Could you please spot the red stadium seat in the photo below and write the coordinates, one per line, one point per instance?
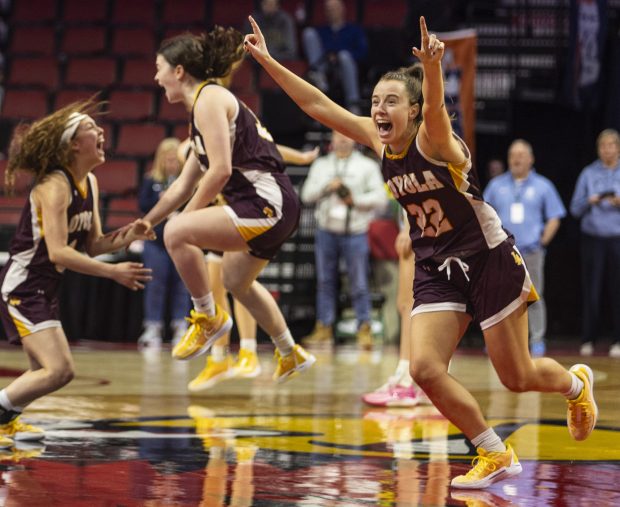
(139, 140)
(184, 12)
(118, 177)
(24, 104)
(23, 180)
(79, 11)
(252, 100)
(181, 131)
(384, 13)
(34, 10)
(133, 41)
(32, 40)
(171, 112)
(95, 72)
(224, 15)
(11, 209)
(130, 105)
(139, 72)
(83, 40)
(120, 212)
(65, 97)
(34, 71)
(139, 12)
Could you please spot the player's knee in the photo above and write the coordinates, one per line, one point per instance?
(172, 236)
(424, 372)
(515, 382)
(61, 376)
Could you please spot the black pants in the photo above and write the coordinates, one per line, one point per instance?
(600, 259)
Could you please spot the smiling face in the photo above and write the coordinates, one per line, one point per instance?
(393, 113)
(168, 77)
(87, 144)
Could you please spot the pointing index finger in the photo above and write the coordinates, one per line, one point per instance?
(424, 32)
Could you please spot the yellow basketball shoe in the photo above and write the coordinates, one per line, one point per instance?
(582, 411)
(213, 373)
(247, 366)
(487, 468)
(5, 442)
(298, 360)
(202, 332)
(18, 430)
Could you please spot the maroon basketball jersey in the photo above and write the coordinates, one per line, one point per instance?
(28, 247)
(445, 209)
(252, 149)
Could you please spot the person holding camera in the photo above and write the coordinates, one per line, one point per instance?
(347, 189)
(596, 202)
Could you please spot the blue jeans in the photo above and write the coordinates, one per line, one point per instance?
(166, 283)
(329, 248)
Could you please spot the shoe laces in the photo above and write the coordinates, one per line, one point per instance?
(480, 465)
(580, 408)
(17, 425)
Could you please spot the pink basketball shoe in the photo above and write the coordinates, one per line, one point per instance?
(390, 395)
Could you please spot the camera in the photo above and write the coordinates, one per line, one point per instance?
(343, 192)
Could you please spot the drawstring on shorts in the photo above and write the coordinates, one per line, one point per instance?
(446, 265)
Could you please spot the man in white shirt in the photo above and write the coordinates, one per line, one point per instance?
(348, 190)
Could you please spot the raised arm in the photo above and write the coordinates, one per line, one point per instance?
(436, 139)
(309, 98)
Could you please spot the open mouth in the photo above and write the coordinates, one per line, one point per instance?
(100, 144)
(384, 127)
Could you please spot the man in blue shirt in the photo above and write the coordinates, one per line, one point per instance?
(530, 207)
(596, 201)
(338, 44)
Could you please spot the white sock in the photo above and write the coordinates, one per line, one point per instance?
(248, 344)
(576, 387)
(402, 375)
(6, 404)
(218, 353)
(284, 343)
(205, 304)
(489, 441)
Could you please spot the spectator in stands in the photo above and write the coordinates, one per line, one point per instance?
(495, 167)
(261, 211)
(596, 202)
(337, 49)
(279, 29)
(61, 150)
(166, 286)
(347, 189)
(529, 205)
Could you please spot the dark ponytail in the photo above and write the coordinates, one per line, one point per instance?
(207, 56)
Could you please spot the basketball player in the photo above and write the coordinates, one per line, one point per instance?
(466, 264)
(233, 154)
(59, 221)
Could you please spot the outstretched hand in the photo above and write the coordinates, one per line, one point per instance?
(310, 156)
(254, 43)
(431, 47)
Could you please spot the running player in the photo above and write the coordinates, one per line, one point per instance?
(59, 221)
(466, 263)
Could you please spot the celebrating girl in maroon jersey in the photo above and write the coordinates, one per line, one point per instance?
(466, 263)
(232, 154)
(59, 221)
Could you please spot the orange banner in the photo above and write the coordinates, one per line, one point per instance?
(459, 66)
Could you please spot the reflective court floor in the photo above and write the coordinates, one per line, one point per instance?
(126, 432)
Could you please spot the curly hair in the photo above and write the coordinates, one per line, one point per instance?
(37, 149)
(208, 56)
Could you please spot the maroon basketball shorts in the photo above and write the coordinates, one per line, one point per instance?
(29, 303)
(488, 285)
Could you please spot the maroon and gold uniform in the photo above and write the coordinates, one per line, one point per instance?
(260, 198)
(450, 226)
(29, 282)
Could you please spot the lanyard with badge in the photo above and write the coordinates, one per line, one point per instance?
(517, 210)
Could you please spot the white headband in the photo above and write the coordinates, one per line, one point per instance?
(72, 124)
